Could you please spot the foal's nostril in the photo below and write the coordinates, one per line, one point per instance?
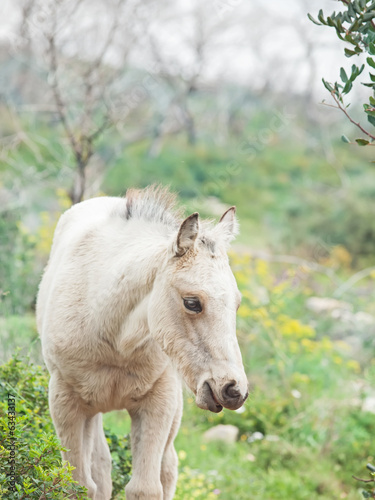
(231, 391)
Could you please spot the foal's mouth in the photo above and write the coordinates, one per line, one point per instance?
(219, 407)
(207, 400)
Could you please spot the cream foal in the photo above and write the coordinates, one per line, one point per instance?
(132, 300)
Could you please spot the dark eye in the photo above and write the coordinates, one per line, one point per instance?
(193, 305)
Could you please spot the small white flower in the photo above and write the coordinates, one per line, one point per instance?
(255, 436)
(240, 410)
(296, 394)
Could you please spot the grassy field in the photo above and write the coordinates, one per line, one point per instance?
(302, 432)
(307, 226)
(305, 406)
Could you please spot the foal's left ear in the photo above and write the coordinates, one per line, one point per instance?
(187, 234)
(228, 224)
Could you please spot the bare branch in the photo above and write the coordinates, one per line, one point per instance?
(363, 480)
(60, 105)
(364, 273)
(357, 124)
(297, 261)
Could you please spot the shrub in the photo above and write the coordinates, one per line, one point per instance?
(121, 462)
(39, 470)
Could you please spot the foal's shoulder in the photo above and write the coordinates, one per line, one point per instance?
(94, 209)
(84, 217)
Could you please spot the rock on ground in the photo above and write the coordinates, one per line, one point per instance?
(225, 433)
(321, 305)
(369, 404)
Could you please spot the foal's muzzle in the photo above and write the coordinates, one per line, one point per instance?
(210, 397)
(232, 397)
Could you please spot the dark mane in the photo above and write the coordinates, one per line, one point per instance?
(155, 204)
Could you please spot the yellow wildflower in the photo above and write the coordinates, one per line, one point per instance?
(352, 364)
(337, 360)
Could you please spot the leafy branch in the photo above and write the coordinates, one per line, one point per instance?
(369, 492)
(356, 27)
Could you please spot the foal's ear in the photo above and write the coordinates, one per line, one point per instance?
(187, 234)
(228, 224)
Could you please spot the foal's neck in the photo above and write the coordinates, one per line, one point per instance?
(146, 257)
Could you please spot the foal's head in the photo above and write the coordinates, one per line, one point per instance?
(193, 309)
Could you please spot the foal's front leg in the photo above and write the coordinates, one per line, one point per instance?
(75, 429)
(152, 420)
(169, 465)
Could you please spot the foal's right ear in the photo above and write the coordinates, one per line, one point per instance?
(187, 234)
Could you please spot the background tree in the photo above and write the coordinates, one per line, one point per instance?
(185, 73)
(81, 60)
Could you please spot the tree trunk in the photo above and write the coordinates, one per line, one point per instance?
(78, 190)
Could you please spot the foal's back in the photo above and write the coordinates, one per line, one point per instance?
(91, 239)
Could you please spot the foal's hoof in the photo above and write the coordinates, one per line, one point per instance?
(137, 490)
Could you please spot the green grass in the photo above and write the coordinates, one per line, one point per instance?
(19, 332)
(264, 469)
(313, 443)
(314, 439)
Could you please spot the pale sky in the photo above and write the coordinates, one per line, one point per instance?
(253, 41)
